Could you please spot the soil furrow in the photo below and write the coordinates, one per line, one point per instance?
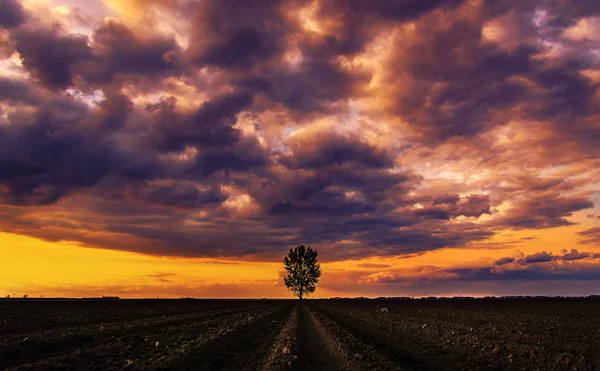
(80, 313)
(95, 326)
(354, 353)
(354, 335)
(315, 352)
(284, 352)
(56, 347)
(146, 350)
(240, 348)
(389, 350)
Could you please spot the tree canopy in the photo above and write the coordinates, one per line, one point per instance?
(302, 270)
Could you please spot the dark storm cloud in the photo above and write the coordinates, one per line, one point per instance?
(569, 95)
(249, 39)
(385, 235)
(210, 130)
(114, 111)
(572, 10)
(434, 213)
(313, 87)
(56, 58)
(325, 193)
(51, 56)
(446, 199)
(179, 194)
(11, 14)
(55, 155)
(349, 188)
(358, 21)
(236, 34)
(332, 149)
(61, 151)
(418, 238)
(475, 205)
(392, 9)
(466, 81)
(117, 50)
(16, 91)
(335, 175)
(470, 86)
(544, 211)
(244, 156)
(448, 206)
(211, 125)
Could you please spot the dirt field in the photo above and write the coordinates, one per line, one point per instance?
(315, 335)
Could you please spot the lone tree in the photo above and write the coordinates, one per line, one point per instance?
(302, 270)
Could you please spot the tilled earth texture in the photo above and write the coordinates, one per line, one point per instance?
(461, 334)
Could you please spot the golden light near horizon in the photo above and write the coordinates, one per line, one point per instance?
(34, 267)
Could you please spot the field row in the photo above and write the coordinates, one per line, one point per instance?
(532, 335)
(318, 335)
(23, 316)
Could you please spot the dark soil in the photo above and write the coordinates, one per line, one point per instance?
(314, 352)
(532, 334)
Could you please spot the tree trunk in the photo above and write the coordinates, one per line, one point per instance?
(300, 295)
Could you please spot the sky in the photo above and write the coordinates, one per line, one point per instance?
(180, 147)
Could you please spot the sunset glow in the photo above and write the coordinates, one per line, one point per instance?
(179, 148)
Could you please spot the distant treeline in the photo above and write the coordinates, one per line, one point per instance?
(464, 297)
(60, 298)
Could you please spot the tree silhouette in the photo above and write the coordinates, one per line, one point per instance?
(302, 270)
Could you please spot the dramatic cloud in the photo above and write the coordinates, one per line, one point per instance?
(545, 212)
(238, 128)
(448, 207)
(590, 236)
(117, 50)
(541, 266)
(16, 92)
(50, 56)
(576, 255)
(12, 14)
(539, 257)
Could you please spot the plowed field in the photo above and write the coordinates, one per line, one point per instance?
(289, 335)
